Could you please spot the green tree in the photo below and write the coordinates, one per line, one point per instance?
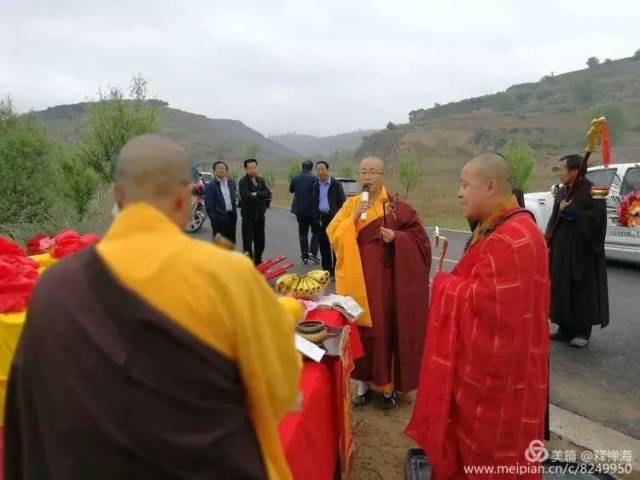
(78, 184)
(345, 170)
(269, 177)
(111, 122)
(251, 149)
(293, 170)
(607, 61)
(409, 173)
(521, 159)
(617, 120)
(636, 56)
(593, 62)
(27, 163)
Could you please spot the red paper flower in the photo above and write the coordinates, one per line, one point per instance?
(7, 247)
(39, 244)
(18, 276)
(69, 242)
(628, 207)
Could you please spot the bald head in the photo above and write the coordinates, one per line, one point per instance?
(491, 166)
(372, 162)
(485, 184)
(155, 170)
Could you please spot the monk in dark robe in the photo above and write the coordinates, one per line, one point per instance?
(579, 294)
(152, 356)
(484, 375)
(383, 262)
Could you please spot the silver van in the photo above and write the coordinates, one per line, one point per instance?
(622, 243)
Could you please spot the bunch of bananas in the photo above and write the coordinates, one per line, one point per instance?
(303, 286)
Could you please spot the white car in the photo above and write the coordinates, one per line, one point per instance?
(622, 243)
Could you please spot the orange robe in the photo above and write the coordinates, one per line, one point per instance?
(484, 375)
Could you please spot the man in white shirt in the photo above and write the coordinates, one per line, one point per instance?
(220, 200)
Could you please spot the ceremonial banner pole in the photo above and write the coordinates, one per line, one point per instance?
(445, 243)
(599, 130)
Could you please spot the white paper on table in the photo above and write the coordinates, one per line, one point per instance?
(309, 349)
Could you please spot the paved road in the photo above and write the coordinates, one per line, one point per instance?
(601, 382)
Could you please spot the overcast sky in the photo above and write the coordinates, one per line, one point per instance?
(316, 67)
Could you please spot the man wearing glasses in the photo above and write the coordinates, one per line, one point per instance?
(383, 262)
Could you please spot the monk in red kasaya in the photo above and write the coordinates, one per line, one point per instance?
(484, 375)
(383, 261)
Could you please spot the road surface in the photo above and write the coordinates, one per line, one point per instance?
(600, 382)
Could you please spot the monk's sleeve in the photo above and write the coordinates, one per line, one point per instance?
(341, 225)
(412, 239)
(269, 363)
(430, 425)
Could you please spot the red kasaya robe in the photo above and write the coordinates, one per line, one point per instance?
(484, 375)
(391, 282)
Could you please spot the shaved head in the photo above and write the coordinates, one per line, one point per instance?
(372, 162)
(485, 185)
(491, 166)
(154, 170)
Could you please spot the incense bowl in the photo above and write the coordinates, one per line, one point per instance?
(312, 330)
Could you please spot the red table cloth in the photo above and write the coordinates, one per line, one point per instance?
(319, 436)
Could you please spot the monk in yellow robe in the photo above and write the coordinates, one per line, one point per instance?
(154, 355)
(383, 262)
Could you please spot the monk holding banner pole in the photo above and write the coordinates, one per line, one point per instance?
(383, 262)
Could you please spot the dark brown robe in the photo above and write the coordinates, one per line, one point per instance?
(103, 386)
(397, 281)
(579, 292)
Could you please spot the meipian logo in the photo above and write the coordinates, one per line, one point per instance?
(536, 452)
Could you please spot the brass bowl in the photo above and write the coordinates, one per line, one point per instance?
(313, 330)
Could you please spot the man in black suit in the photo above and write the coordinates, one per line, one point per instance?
(305, 208)
(330, 197)
(220, 199)
(255, 198)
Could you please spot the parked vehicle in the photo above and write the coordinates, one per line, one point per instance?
(622, 242)
(350, 186)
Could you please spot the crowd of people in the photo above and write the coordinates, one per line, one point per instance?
(167, 357)
(316, 200)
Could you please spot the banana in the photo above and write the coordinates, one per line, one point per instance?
(284, 283)
(321, 276)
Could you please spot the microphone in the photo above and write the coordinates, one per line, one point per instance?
(365, 198)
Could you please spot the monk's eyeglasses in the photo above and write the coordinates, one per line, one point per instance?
(371, 173)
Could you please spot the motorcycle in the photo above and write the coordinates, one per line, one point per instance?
(198, 210)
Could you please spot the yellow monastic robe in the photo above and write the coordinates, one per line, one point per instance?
(221, 299)
(343, 235)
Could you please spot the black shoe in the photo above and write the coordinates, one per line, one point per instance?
(388, 403)
(305, 261)
(361, 400)
(314, 259)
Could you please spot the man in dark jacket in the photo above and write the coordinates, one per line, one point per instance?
(220, 201)
(579, 295)
(255, 198)
(305, 208)
(330, 196)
